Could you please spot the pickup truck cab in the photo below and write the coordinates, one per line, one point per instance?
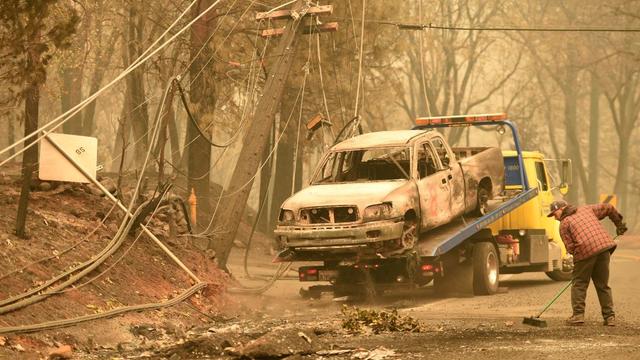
(373, 194)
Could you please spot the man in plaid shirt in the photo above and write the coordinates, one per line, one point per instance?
(591, 246)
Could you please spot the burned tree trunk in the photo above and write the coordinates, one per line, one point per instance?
(267, 183)
(165, 116)
(137, 115)
(30, 157)
(202, 102)
(284, 159)
(71, 95)
(103, 57)
(72, 74)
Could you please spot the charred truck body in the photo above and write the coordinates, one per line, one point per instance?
(402, 207)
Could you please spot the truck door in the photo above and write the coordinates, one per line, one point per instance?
(454, 176)
(546, 197)
(432, 187)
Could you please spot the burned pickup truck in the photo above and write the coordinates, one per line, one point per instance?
(373, 195)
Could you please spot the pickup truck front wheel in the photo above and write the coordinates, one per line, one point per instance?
(485, 269)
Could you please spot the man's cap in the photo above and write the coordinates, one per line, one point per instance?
(555, 206)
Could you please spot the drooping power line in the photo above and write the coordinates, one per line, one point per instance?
(421, 26)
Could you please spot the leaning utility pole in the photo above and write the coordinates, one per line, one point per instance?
(256, 139)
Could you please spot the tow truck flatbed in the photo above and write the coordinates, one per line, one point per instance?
(443, 239)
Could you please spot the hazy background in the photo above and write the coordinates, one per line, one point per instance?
(573, 94)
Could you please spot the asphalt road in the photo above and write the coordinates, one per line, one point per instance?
(481, 326)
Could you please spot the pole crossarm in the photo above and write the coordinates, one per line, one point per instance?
(328, 27)
(286, 14)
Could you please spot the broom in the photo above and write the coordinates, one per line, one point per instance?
(535, 320)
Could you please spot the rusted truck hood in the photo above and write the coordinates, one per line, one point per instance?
(361, 194)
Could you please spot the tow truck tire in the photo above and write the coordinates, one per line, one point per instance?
(559, 275)
(485, 269)
(482, 205)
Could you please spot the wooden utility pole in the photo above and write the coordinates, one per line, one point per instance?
(257, 135)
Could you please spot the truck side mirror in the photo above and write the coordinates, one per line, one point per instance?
(564, 188)
(565, 173)
(565, 176)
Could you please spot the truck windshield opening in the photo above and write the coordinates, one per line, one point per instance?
(373, 164)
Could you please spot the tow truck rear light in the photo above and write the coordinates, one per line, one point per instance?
(460, 119)
(427, 267)
(430, 269)
(308, 274)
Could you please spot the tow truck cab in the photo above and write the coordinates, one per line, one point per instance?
(533, 214)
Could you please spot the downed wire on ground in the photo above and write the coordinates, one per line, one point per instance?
(358, 321)
(75, 274)
(69, 322)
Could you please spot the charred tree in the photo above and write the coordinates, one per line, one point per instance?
(103, 57)
(284, 158)
(30, 34)
(268, 172)
(71, 94)
(72, 74)
(30, 157)
(137, 114)
(202, 97)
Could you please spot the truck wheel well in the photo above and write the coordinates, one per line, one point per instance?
(410, 215)
(486, 183)
(484, 235)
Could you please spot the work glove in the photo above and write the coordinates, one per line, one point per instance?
(621, 229)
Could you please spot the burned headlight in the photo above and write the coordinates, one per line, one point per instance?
(377, 212)
(286, 216)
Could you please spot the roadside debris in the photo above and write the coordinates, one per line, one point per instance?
(358, 321)
(334, 352)
(62, 352)
(146, 331)
(280, 343)
(204, 346)
(376, 354)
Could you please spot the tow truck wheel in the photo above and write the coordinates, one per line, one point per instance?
(485, 269)
(482, 206)
(559, 275)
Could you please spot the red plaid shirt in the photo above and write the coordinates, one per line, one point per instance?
(583, 234)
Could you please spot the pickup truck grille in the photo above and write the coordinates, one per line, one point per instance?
(330, 215)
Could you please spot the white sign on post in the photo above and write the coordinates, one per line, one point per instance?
(53, 166)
